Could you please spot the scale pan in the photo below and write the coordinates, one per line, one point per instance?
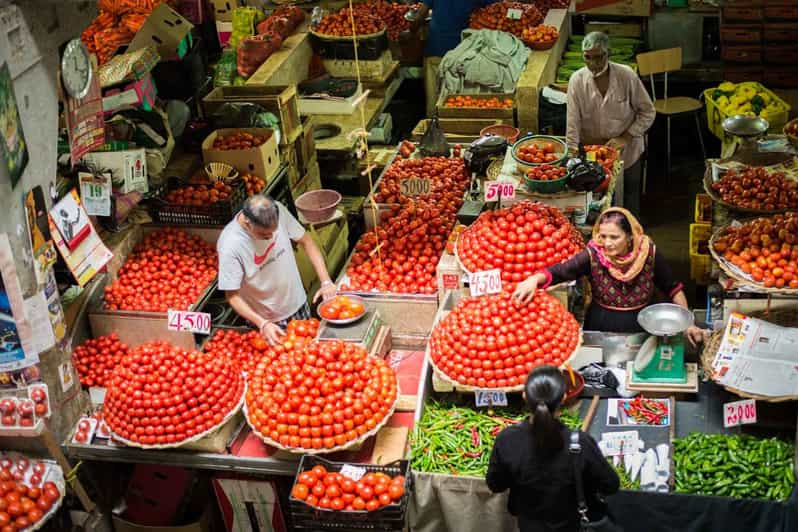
(665, 319)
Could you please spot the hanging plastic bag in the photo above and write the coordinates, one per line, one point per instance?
(225, 71)
(244, 21)
(584, 175)
(253, 51)
(434, 143)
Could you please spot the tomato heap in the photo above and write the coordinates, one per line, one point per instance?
(340, 25)
(168, 269)
(255, 184)
(246, 349)
(496, 17)
(765, 248)
(341, 308)
(546, 172)
(24, 500)
(95, 359)
(464, 100)
(391, 14)
(163, 395)
(754, 188)
(200, 194)
(240, 140)
(604, 155)
(519, 240)
(448, 181)
(323, 489)
(541, 37)
(319, 395)
(536, 153)
(494, 342)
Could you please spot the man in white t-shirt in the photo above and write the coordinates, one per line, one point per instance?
(258, 271)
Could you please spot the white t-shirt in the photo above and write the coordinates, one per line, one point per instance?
(263, 271)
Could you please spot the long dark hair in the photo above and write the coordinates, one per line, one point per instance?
(545, 388)
(617, 218)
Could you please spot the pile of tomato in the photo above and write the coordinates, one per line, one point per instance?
(163, 395)
(537, 153)
(319, 395)
(240, 140)
(329, 490)
(392, 14)
(448, 181)
(478, 102)
(199, 195)
(755, 188)
(766, 249)
(169, 269)
(95, 359)
(546, 172)
(340, 24)
(494, 341)
(254, 184)
(341, 308)
(497, 17)
(604, 155)
(519, 240)
(540, 37)
(24, 500)
(244, 349)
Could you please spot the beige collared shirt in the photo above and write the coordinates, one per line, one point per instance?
(625, 108)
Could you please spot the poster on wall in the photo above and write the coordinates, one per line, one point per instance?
(13, 149)
(41, 242)
(18, 358)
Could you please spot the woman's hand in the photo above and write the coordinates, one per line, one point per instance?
(271, 332)
(696, 335)
(525, 290)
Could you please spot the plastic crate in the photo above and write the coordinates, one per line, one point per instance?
(715, 116)
(220, 213)
(368, 48)
(699, 262)
(387, 518)
(703, 209)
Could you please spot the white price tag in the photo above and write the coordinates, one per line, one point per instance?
(414, 186)
(617, 443)
(739, 413)
(353, 472)
(95, 193)
(97, 395)
(196, 322)
(494, 190)
(514, 13)
(490, 398)
(485, 282)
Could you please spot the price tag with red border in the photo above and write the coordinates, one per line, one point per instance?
(739, 413)
(494, 189)
(185, 321)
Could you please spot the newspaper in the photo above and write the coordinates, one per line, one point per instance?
(758, 357)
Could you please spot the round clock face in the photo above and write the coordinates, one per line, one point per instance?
(76, 69)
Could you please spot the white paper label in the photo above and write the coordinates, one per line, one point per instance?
(95, 194)
(414, 186)
(739, 413)
(353, 472)
(617, 443)
(65, 374)
(514, 13)
(485, 282)
(97, 395)
(195, 322)
(490, 398)
(495, 190)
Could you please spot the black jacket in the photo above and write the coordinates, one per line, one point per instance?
(542, 490)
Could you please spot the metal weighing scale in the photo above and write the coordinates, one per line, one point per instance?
(660, 359)
(369, 331)
(750, 129)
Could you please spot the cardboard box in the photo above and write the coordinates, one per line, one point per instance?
(167, 30)
(128, 168)
(242, 500)
(628, 8)
(262, 161)
(155, 493)
(223, 9)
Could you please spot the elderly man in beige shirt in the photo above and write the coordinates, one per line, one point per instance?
(608, 104)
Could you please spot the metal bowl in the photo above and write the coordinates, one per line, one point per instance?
(665, 319)
(348, 320)
(745, 126)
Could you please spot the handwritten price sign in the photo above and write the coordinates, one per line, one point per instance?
(414, 186)
(490, 398)
(514, 14)
(485, 282)
(184, 321)
(739, 413)
(494, 189)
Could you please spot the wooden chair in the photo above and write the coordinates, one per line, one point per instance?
(662, 62)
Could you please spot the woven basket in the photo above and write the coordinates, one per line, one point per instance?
(326, 37)
(719, 201)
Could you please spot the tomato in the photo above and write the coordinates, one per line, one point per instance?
(35, 515)
(44, 504)
(372, 505)
(320, 471)
(396, 489)
(319, 489)
(14, 509)
(300, 492)
(359, 504)
(4, 518)
(365, 492)
(755, 188)
(494, 17)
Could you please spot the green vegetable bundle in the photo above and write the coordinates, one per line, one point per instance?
(626, 482)
(458, 440)
(735, 466)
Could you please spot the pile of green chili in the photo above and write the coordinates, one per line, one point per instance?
(735, 466)
(626, 482)
(458, 440)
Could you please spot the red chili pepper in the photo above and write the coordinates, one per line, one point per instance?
(473, 454)
(475, 439)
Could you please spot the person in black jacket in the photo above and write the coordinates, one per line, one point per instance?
(531, 459)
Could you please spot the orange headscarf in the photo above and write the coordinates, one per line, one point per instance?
(626, 267)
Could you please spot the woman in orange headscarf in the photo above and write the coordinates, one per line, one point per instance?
(624, 268)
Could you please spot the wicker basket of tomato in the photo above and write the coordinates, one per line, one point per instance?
(546, 179)
(336, 496)
(535, 150)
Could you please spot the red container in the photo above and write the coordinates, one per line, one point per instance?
(742, 54)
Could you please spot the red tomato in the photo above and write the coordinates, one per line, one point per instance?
(300, 492)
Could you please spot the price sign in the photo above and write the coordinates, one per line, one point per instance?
(353, 472)
(739, 413)
(95, 193)
(618, 443)
(490, 398)
(196, 322)
(485, 282)
(494, 189)
(414, 186)
(514, 14)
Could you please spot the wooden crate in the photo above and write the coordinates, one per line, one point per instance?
(311, 181)
(345, 68)
(280, 100)
(457, 130)
(477, 112)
